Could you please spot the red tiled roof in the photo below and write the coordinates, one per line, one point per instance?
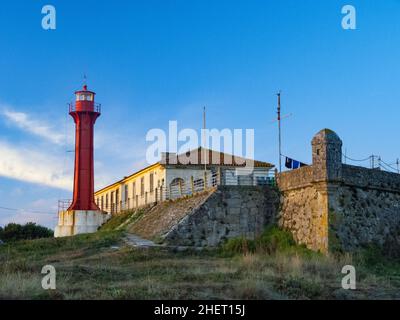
(195, 157)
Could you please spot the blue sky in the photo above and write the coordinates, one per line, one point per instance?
(155, 61)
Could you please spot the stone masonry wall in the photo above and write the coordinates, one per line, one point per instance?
(300, 178)
(230, 212)
(362, 209)
(370, 178)
(365, 208)
(304, 212)
(329, 205)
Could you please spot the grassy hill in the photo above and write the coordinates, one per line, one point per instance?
(103, 266)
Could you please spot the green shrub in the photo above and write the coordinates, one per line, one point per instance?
(272, 240)
(371, 255)
(238, 245)
(29, 231)
(300, 287)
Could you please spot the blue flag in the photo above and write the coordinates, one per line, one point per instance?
(293, 164)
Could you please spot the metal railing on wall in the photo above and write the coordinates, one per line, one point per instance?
(374, 162)
(96, 107)
(179, 189)
(64, 204)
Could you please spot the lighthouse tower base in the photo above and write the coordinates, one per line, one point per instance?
(73, 222)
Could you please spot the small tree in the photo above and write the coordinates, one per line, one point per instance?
(14, 232)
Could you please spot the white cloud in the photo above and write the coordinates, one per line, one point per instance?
(39, 128)
(41, 211)
(46, 165)
(44, 168)
(33, 166)
(22, 217)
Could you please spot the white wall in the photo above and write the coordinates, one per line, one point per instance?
(163, 176)
(134, 197)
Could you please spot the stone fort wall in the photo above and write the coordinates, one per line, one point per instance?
(365, 208)
(330, 205)
(229, 212)
(303, 208)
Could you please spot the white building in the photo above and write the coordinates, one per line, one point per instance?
(180, 175)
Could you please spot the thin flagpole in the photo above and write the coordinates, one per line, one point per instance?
(204, 139)
(279, 131)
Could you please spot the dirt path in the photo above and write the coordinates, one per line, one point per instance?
(136, 241)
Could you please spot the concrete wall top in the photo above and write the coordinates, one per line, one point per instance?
(370, 178)
(298, 178)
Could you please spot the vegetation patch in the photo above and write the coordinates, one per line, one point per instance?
(29, 231)
(102, 266)
(272, 240)
(122, 219)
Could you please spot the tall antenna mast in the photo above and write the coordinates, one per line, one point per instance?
(280, 118)
(279, 131)
(204, 139)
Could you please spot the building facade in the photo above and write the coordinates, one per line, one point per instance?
(176, 176)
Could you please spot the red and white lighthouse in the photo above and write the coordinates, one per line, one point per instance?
(83, 215)
(85, 113)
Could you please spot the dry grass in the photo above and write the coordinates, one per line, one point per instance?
(90, 267)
